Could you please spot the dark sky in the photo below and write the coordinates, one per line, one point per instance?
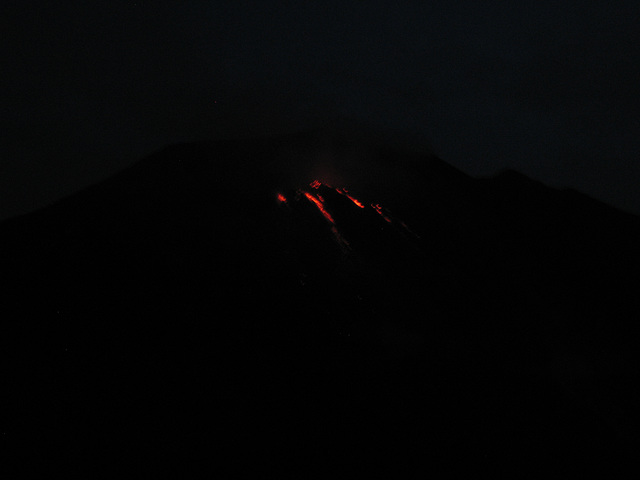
(548, 88)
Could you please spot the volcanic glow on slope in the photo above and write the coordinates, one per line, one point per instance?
(356, 201)
(378, 208)
(320, 206)
(319, 201)
(345, 192)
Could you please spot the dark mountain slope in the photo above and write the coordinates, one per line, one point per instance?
(419, 321)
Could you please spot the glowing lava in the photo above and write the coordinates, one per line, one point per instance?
(323, 202)
(320, 206)
(356, 201)
(378, 208)
(345, 192)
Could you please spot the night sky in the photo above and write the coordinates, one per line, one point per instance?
(547, 88)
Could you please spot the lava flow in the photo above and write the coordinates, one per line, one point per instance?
(323, 199)
(345, 192)
(320, 206)
(378, 208)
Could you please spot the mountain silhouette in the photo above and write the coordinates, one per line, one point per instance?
(320, 303)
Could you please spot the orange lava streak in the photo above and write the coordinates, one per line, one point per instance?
(356, 201)
(345, 192)
(378, 208)
(320, 206)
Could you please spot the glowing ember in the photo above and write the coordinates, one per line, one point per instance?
(315, 184)
(281, 198)
(320, 206)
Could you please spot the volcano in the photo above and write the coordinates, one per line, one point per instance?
(323, 306)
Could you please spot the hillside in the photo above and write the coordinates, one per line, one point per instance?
(311, 301)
